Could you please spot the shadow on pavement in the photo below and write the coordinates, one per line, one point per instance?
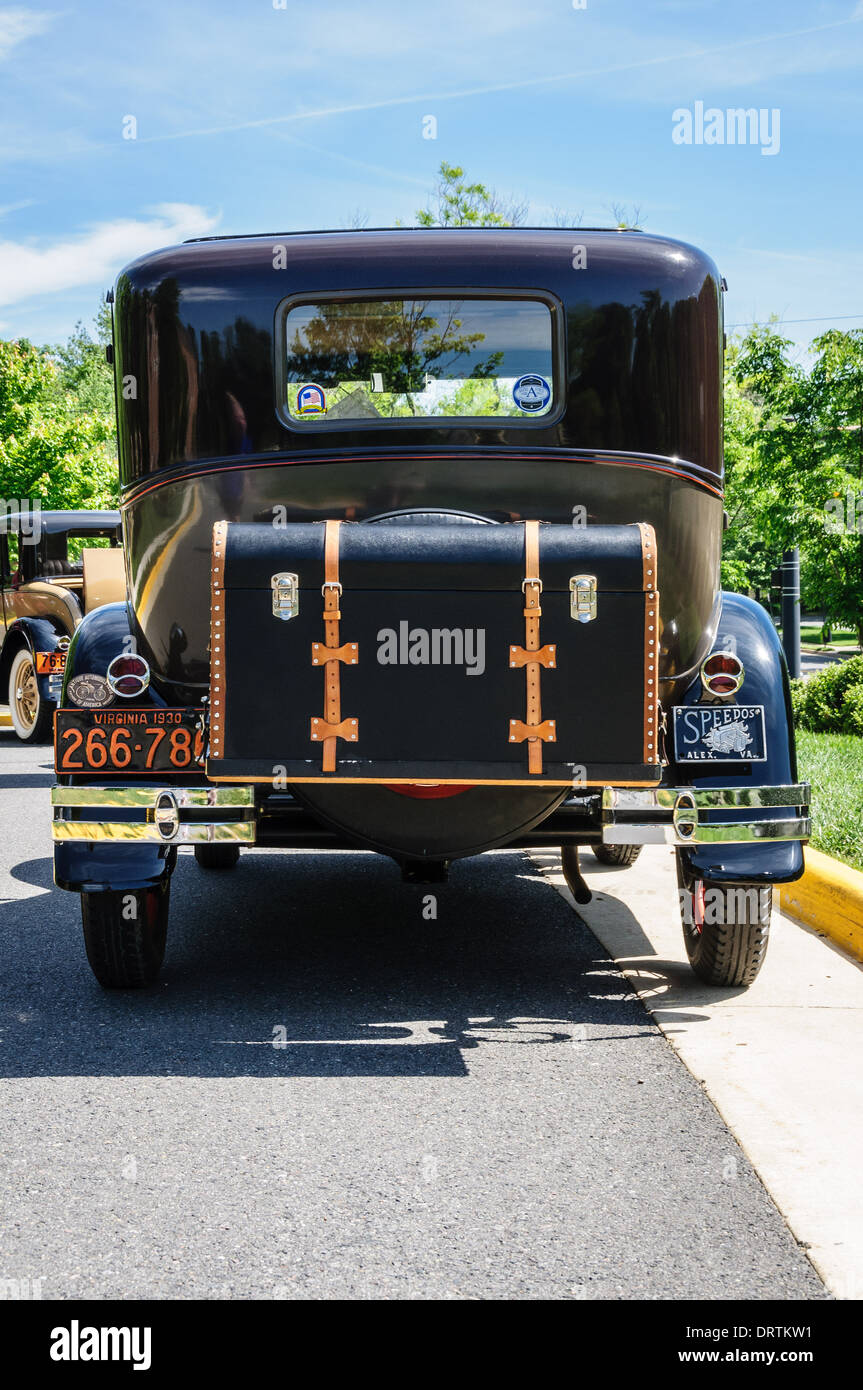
(312, 965)
(672, 983)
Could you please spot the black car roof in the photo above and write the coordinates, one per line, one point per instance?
(374, 231)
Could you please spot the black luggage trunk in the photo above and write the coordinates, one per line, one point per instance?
(434, 655)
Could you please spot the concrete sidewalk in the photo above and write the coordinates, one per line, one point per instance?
(781, 1061)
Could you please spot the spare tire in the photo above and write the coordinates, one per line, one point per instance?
(420, 823)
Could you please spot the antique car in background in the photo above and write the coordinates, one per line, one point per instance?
(44, 594)
(422, 532)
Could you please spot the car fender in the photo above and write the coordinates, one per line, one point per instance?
(39, 635)
(102, 866)
(98, 638)
(747, 629)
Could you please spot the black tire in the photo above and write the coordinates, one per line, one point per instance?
(30, 713)
(217, 856)
(725, 927)
(619, 856)
(125, 934)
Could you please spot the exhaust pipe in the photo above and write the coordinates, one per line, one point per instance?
(572, 873)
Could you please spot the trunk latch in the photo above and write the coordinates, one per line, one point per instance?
(582, 597)
(286, 595)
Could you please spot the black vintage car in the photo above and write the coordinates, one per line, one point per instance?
(55, 566)
(423, 533)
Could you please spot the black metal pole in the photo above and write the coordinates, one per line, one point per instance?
(791, 609)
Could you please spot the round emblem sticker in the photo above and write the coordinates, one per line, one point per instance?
(531, 393)
(89, 692)
(311, 400)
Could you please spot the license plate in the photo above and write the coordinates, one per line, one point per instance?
(719, 734)
(128, 741)
(49, 663)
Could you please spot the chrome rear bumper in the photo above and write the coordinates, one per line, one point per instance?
(684, 815)
(627, 815)
(155, 815)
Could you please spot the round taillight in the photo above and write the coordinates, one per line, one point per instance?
(128, 676)
(722, 673)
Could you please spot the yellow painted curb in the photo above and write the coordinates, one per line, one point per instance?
(829, 899)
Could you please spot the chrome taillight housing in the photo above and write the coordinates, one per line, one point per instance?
(128, 676)
(722, 673)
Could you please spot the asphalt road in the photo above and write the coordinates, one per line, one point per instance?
(470, 1107)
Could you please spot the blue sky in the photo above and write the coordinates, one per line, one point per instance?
(257, 118)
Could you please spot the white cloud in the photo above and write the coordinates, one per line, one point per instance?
(6, 208)
(95, 255)
(18, 25)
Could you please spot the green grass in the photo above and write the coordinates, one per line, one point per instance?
(833, 763)
(811, 636)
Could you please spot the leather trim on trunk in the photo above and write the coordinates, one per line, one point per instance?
(217, 640)
(650, 564)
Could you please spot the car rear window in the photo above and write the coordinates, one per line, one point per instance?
(415, 359)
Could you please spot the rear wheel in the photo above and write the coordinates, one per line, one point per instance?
(620, 856)
(125, 935)
(725, 927)
(31, 715)
(217, 856)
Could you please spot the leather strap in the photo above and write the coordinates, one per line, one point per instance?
(546, 656)
(519, 731)
(322, 654)
(332, 726)
(532, 657)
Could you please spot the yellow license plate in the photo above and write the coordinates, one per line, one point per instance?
(50, 663)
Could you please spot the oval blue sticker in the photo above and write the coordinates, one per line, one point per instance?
(531, 392)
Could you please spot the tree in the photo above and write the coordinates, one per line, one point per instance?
(461, 204)
(626, 220)
(400, 341)
(83, 371)
(51, 450)
(748, 557)
(794, 458)
(835, 398)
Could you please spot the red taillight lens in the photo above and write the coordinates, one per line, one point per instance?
(128, 676)
(722, 673)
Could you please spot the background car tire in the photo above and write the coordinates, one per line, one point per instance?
(125, 935)
(217, 856)
(620, 856)
(725, 927)
(31, 714)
